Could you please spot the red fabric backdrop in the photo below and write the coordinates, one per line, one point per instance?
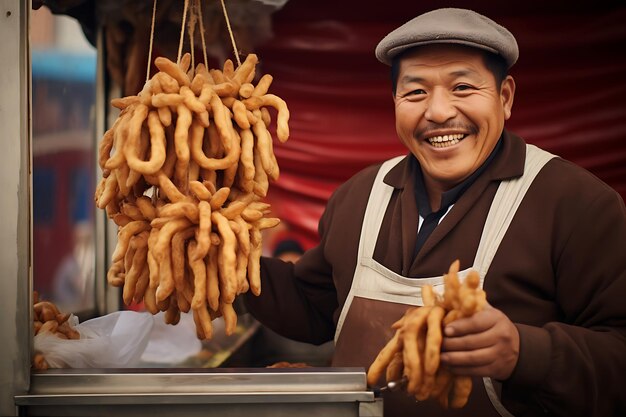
(571, 84)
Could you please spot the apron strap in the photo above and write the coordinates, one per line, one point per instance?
(373, 218)
(503, 208)
(375, 210)
(505, 203)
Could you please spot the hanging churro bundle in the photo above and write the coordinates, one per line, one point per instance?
(185, 169)
(414, 351)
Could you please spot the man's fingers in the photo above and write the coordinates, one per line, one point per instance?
(487, 343)
(471, 370)
(471, 358)
(478, 363)
(469, 342)
(479, 322)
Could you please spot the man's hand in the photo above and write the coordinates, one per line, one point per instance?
(485, 344)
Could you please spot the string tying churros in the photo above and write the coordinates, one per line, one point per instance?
(185, 167)
(414, 351)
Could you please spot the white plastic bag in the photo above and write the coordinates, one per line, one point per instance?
(171, 344)
(116, 340)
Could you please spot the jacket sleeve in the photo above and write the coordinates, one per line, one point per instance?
(578, 366)
(295, 301)
(298, 300)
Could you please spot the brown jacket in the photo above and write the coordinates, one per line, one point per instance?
(559, 274)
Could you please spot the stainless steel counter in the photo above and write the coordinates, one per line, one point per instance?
(254, 392)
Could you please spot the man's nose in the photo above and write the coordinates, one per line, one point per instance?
(440, 107)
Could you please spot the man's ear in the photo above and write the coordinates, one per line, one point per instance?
(507, 93)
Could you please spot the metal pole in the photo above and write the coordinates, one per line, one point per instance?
(15, 221)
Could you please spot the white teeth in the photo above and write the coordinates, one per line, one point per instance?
(445, 140)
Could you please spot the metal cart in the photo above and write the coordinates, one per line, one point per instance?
(121, 392)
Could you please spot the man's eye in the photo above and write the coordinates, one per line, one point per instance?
(463, 87)
(416, 92)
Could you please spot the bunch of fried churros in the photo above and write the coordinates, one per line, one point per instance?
(185, 168)
(414, 351)
(48, 318)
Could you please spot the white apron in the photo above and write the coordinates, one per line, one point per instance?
(381, 286)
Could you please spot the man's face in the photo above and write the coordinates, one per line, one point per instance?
(449, 111)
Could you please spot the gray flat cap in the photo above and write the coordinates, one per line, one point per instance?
(449, 25)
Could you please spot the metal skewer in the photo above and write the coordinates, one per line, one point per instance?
(392, 386)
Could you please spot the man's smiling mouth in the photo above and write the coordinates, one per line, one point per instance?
(445, 141)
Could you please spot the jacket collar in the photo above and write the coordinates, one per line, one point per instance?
(509, 163)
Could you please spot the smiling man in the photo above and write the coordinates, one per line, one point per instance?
(545, 235)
